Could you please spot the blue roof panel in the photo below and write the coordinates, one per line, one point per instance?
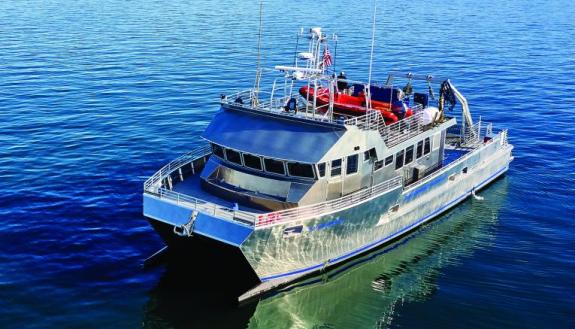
(272, 136)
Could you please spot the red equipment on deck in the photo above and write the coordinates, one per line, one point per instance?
(356, 105)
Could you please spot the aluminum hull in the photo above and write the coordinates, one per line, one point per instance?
(282, 253)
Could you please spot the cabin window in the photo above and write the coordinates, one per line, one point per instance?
(218, 150)
(388, 160)
(399, 159)
(377, 165)
(252, 161)
(274, 166)
(233, 156)
(352, 164)
(321, 169)
(371, 154)
(427, 147)
(409, 154)
(419, 149)
(336, 168)
(464, 170)
(300, 169)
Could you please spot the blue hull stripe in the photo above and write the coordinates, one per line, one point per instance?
(376, 243)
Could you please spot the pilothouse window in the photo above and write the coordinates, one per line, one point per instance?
(321, 169)
(300, 169)
(274, 166)
(252, 161)
(218, 150)
(233, 156)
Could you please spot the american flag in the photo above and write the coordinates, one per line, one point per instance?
(326, 57)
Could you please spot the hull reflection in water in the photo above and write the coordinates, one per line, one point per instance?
(369, 291)
(366, 292)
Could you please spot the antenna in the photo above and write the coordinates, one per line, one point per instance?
(259, 70)
(372, 42)
(368, 93)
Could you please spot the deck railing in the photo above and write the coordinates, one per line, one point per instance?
(154, 182)
(471, 135)
(402, 130)
(394, 133)
(265, 102)
(207, 207)
(322, 208)
(501, 137)
(154, 185)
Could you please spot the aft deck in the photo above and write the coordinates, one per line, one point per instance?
(451, 155)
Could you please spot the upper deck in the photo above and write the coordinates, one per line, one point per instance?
(265, 103)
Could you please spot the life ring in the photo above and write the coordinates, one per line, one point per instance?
(291, 105)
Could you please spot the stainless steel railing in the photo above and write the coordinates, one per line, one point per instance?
(327, 207)
(154, 182)
(402, 130)
(263, 102)
(207, 207)
(471, 135)
(154, 185)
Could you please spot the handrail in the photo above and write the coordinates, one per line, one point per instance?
(207, 207)
(393, 133)
(470, 135)
(326, 207)
(503, 143)
(402, 130)
(153, 186)
(175, 164)
(275, 106)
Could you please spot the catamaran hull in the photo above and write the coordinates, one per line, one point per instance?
(284, 252)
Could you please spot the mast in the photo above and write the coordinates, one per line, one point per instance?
(368, 94)
(255, 97)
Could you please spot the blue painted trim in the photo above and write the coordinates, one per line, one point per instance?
(292, 272)
(376, 243)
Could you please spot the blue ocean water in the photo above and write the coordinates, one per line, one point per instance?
(95, 95)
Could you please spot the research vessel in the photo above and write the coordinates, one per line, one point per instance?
(318, 168)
